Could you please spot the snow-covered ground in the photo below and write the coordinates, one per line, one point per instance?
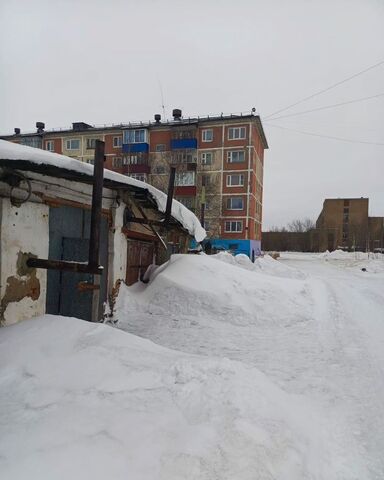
(264, 371)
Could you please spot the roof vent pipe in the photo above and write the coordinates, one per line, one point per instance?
(176, 112)
(157, 117)
(17, 131)
(40, 127)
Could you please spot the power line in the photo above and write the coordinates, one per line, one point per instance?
(325, 89)
(324, 136)
(328, 106)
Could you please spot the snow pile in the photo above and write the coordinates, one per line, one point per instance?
(13, 151)
(266, 265)
(371, 262)
(85, 401)
(199, 287)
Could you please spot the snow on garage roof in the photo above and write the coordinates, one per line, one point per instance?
(36, 156)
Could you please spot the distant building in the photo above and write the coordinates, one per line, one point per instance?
(219, 164)
(342, 224)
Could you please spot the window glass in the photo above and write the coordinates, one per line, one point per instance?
(208, 135)
(206, 158)
(235, 156)
(235, 203)
(185, 179)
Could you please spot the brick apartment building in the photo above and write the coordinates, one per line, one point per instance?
(345, 223)
(219, 163)
(342, 224)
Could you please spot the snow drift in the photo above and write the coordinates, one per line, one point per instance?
(87, 401)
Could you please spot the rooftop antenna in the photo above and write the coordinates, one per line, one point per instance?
(162, 98)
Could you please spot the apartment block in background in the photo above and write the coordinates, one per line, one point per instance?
(344, 223)
(219, 165)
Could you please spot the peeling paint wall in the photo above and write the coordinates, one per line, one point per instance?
(24, 231)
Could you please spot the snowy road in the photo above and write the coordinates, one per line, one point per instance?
(318, 334)
(349, 306)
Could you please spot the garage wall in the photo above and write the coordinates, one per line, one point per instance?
(23, 231)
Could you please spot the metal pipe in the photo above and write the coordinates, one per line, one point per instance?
(97, 198)
(171, 186)
(74, 267)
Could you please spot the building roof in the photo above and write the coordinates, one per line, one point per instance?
(34, 159)
(149, 124)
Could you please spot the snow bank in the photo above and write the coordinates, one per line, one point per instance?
(85, 401)
(13, 151)
(265, 264)
(201, 287)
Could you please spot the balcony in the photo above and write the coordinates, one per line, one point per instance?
(135, 147)
(183, 143)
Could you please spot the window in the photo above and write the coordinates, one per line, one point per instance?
(139, 176)
(206, 158)
(73, 144)
(235, 180)
(117, 142)
(135, 136)
(235, 203)
(160, 147)
(184, 157)
(160, 170)
(91, 143)
(188, 202)
(206, 226)
(50, 145)
(235, 133)
(236, 226)
(185, 179)
(205, 180)
(207, 135)
(117, 162)
(90, 160)
(236, 156)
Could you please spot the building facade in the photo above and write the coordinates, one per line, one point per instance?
(219, 165)
(344, 223)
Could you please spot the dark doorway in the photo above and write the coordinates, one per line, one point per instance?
(69, 240)
(140, 256)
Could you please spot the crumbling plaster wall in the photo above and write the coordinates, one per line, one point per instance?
(24, 230)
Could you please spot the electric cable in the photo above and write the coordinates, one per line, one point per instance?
(324, 136)
(326, 89)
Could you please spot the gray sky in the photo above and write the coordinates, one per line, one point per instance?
(103, 61)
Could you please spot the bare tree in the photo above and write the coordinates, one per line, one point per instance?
(298, 225)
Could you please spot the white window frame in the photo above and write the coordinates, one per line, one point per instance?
(139, 176)
(229, 203)
(230, 156)
(118, 143)
(231, 224)
(241, 180)
(237, 133)
(181, 179)
(69, 142)
(51, 143)
(132, 134)
(207, 132)
(204, 158)
(90, 142)
(160, 147)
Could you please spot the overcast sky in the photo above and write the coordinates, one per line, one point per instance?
(104, 61)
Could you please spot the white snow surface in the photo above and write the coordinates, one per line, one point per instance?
(13, 151)
(319, 337)
(241, 373)
(87, 401)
